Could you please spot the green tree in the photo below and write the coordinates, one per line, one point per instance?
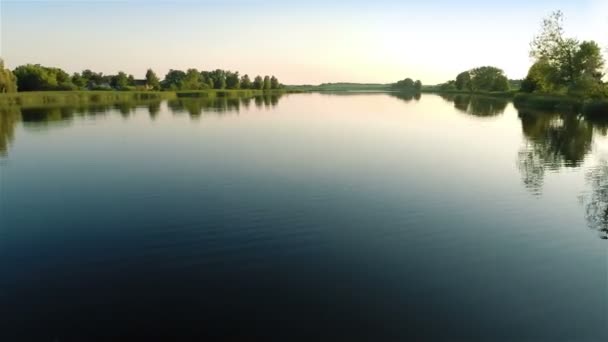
(258, 83)
(246, 82)
(558, 51)
(542, 77)
(191, 81)
(93, 79)
(131, 80)
(233, 80)
(152, 80)
(64, 80)
(206, 79)
(418, 86)
(79, 81)
(8, 82)
(219, 79)
(274, 83)
(267, 84)
(120, 81)
(488, 78)
(588, 64)
(463, 81)
(173, 80)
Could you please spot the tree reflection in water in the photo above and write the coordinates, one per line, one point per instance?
(53, 116)
(553, 141)
(406, 96)
(482, 106)
(596, 200)
(8, 118)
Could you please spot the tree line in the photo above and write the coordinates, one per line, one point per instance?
(562, 65)
(35, 77)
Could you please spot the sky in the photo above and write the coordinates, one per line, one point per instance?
(304, 42)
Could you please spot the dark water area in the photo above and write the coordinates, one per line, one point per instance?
(353, 217)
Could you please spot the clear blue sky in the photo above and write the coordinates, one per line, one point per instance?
(304, 42)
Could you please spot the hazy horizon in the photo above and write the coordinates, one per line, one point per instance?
(308, 43)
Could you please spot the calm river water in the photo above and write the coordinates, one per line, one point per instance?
(310, 216)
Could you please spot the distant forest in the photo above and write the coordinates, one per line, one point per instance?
(35, 77)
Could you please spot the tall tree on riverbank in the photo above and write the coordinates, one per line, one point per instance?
(563, 63)
(246, 82)
(152, 80)
(267, 85)
(8, 82)
(258, 83)
(233, 80)
(274, 83)
(219, 78)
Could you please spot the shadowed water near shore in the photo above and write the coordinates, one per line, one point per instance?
(375, 216)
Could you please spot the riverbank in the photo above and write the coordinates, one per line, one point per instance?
(83, 98)
(590, 107)
(503, 94)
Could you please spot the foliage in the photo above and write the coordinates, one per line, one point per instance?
(120, 81)
(488, 78)
(218, 77)
(79, 81)
(94, 80)
(233, 80)
(480, 80)
(31, 77)
(246, 82)
(408, 85)
(274, 83)
(562, 63)
(448, 86)
(542, 77)
(463, 81)
(267, 85)
(8, 82)
(152, 80)
(191, 81)
(173, 80)
(258, 83)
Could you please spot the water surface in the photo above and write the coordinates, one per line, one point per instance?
(314, 216)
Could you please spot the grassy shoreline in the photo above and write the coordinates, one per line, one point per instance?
(552, 102)
(503, 94)
(82, 98)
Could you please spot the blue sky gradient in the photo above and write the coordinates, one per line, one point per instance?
(304, 42)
